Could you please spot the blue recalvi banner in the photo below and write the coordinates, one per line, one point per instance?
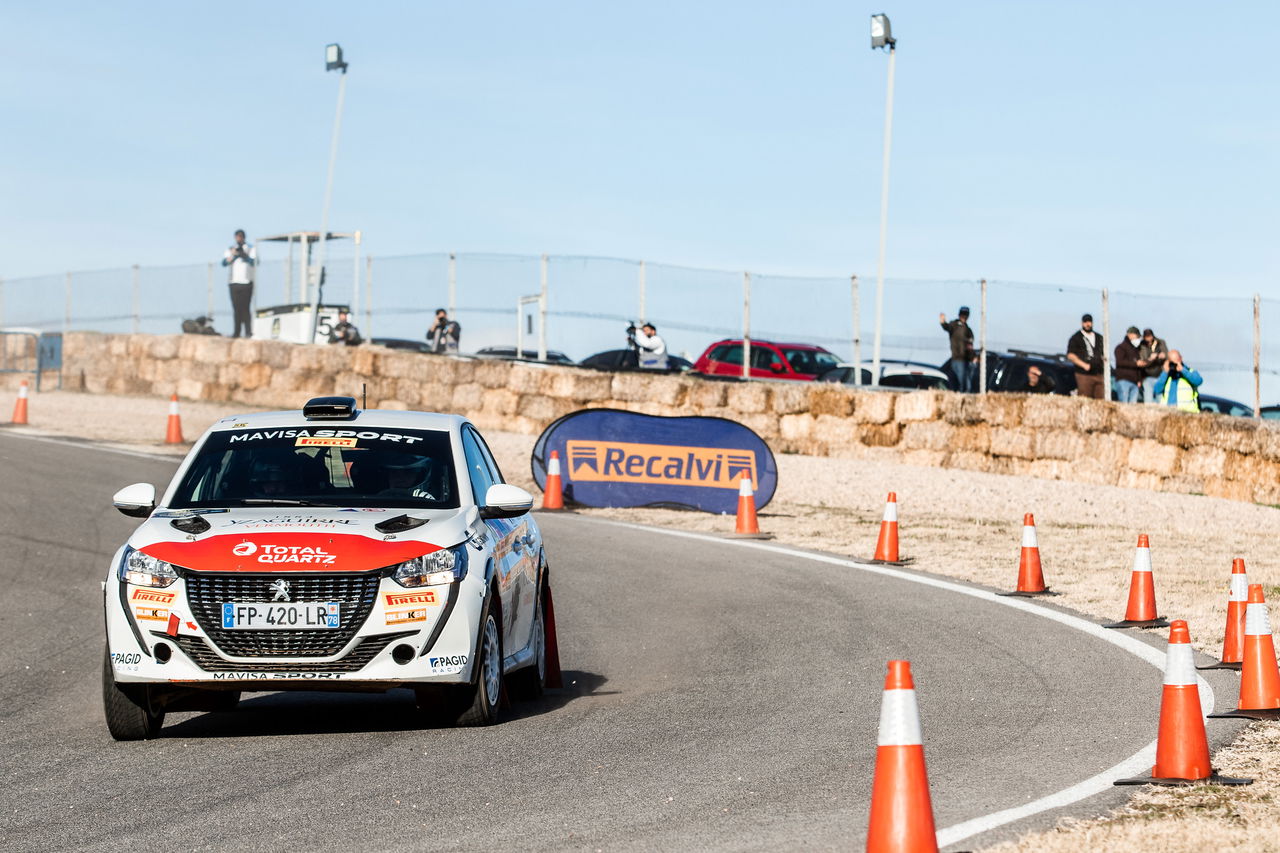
(611, 458)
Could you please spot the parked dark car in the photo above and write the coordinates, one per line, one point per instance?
(553, 356)
(402, 343)
(1007, 372)
(900, 375)
(1271, 413)
(626, 359)
(1223, 406)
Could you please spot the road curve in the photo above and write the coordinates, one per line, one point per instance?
(716, 698)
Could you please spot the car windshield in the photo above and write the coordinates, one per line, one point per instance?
(311, 466)
(918, 381)
(809, 361)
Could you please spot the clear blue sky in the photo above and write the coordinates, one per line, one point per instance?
(1131, 145)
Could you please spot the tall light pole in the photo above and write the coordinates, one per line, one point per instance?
(882, 36)
(332, 61)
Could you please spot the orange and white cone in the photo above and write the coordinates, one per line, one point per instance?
(887, 541)
(553, 493)
(1182, 749)
(173, 432)
(1030, 576)
(1141, 612)
(20, 407)
(747, 525)
(1259, 674)
(901, 811)
(1237, 601)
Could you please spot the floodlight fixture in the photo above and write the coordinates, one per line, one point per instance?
(333, 58)
(881, 32)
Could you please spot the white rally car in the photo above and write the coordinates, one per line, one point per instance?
(328, 549)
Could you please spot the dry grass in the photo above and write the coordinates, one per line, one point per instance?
(964, 525)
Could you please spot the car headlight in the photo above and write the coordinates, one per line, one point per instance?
(141, 570)
(435, 569)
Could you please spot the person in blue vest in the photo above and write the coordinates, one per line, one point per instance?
(1178, 385)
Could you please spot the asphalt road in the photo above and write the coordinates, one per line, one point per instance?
(716, 698)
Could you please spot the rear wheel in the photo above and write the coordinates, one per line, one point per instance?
(128, 708)
(528, 683)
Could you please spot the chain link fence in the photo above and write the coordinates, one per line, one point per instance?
(582, 305)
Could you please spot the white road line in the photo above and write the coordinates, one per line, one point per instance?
(1138, 764)
(86, 445)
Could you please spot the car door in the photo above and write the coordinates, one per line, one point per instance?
(502, 530)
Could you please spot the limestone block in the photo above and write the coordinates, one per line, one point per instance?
(828, 399)
(1235, 490)
(1267, 494)
(927, 435)
(1139, 480)
(1107, 450)
(834, 432)
(1139, 421)
(119, 346)
(874, 407)
(629, 387)
(1152, 457)
(1015, 443)
(500, 400)
(492, 373)
(880, 435)
(463, 367)
(976, 438)
(789, 398)
(763, 424)
(190, 389)
(524, 379)
(435, 397)
(795, 427)
(749, 397)
(667, 390)
(1183, 484)
(1269, 440)
(246, 351)
(1051, 469)
(705, 395)
(1003, 409)
(163, 346)
(468, 398)
(1203, 461)
(1059, 444)
(277, 354)
(364, 361)
(1094, 415)
(1238, 434)
(249, 376)
(1183, 429)
(304, 358)
(407, 391)
(962, 409)
(919, 406)
(967, 460)
(199, 371)
(1252, 469)
(1049, 411)
(537, 407)
(924, 458)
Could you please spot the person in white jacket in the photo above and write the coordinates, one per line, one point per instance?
(651, 348)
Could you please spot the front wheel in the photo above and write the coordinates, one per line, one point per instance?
(487, 693)
(128, 709)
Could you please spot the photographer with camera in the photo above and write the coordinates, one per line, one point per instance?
(241, 258)
(445, 334)
(651, 349)
(1178, 385)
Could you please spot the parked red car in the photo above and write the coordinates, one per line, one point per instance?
(769, 360)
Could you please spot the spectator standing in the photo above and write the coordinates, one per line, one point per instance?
(1084, 350)
(1154, 352)
(1129, 366)
(1178, 385)
(445, 334)
(964, 365)
(344, 332)
(651, 349)
(241, 258)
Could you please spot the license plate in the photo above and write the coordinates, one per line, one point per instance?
(302, 615)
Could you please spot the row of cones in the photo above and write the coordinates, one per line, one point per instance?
(173, 428)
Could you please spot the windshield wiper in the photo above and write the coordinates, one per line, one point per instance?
(280, 502)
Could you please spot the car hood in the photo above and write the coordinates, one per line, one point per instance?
(303, 539)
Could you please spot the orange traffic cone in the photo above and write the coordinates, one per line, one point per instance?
(1237, 599)
(173, 434)
(1141, 612)
(901, 812)
(20, 407)
(1182, 749)
(1259, 675)
(1030, 577)
(747, 525)
(553, 494)
(887, 541)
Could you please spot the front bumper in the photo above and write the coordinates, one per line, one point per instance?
(403, 637)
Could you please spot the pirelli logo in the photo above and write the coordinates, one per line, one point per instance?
(153, 596)
(404, 599)
(666, 464)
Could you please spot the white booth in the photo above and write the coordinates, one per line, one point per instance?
(304, 315)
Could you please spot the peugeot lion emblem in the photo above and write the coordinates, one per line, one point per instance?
(280, 587)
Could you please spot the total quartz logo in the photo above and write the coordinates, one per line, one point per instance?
(302, 554)
(244, 549)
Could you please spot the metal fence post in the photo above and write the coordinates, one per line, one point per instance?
(1257, 355)
(368, 296)
(137, 299)
(642, 285)
(1, 302)
(857, 330)
(746, 325)
(982, 340)
(209, 287)
(453, 285)
(542, 314)
(1106, 341)
(66, 316)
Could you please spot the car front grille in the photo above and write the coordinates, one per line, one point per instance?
(206, 593)
(208, 660)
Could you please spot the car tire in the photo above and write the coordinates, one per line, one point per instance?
(129, 711)
(485, 696)
(528, 683)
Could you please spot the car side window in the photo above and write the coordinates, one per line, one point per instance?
(729, 354)
(763, 358)
(494, 471)
(477, 466)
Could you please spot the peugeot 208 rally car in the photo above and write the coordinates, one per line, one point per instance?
(328, 549)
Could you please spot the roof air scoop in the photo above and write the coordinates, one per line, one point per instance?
(330, 409)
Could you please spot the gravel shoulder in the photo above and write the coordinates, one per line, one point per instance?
(960, 524)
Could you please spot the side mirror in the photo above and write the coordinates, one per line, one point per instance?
(505, 501)
(137, 500)
(776, 367)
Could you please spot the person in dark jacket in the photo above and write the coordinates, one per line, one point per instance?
(964, 363)
(1154, 351)
(1129, 366)
(1084, 350)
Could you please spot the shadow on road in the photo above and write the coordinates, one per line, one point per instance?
(316, 712)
